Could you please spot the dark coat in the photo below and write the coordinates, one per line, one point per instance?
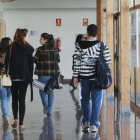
(21, 62)
(45, 63)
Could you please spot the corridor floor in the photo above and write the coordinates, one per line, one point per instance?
(64, 124)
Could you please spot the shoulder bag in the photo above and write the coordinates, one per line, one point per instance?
(58, 79)
(5, 77)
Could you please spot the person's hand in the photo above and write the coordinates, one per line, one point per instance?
(76, 82)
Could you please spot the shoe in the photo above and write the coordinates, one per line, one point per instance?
(86, 125)
(6, 121)
(45, 109)
(93, 128)
(21, 128)
(14, 125)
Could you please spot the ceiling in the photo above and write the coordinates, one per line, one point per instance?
(6, 0)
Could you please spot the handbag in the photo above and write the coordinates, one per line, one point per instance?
(5, 77)
(58, 79)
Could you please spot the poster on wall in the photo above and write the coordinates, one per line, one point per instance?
(34, 33)
(134, 39)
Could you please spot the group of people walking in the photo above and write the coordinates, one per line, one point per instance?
(19, 56)
(21, 64)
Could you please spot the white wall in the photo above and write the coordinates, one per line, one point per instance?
(41, 4)
(44, 21)
(1, 11)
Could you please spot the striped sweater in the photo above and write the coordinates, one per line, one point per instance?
(85, 57)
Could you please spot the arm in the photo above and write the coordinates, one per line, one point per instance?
(58, 57)
(1, 66)
(106, 55)
(6, 62)
(76, 64)
(31, 62)
(37, 55)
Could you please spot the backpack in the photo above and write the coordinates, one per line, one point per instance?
(103, 76)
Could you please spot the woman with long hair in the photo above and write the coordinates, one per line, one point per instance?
(21, 73)
(5, 93)
(45, 69)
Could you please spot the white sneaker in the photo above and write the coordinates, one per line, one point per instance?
(93, 128)
(86, 125)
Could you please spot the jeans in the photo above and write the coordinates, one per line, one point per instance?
(47, 99)
(91, 115)
(5, 96)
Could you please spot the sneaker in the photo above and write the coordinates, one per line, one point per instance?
(85, 126)
(45, 109)
(93, 128)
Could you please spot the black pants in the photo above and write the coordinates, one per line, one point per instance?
(18, 90)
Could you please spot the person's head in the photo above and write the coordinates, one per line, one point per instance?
(47, 38)
(25, 35)
(5, 42)
(21, 36)
(79, 38)
(92, 30)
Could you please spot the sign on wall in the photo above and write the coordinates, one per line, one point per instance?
(134, 39)
(34, 33)
(85, 22)
(58, 22)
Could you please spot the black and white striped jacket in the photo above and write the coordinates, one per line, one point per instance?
(85, 57)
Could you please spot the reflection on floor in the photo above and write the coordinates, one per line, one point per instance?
(64, 124)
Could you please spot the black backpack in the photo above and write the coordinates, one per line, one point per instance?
(103, 74)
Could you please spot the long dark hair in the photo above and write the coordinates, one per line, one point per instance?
(50, 39)
(78, 39)
(4, 45)
(19, 36)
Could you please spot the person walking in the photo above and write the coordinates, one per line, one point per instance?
(5, 93)
(45, 69)
(21, 73)
(79, 38)
(84, 64)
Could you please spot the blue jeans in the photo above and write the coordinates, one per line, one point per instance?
(47, 99)
(87, 87)
(5, 96)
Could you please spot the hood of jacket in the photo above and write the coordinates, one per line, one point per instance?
(88, 44)
(26, 47)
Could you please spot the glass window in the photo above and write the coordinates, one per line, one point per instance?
(132, 74)
(132, 81)
(137, 2)
(116, 6)
(138, 71)
(131, 3)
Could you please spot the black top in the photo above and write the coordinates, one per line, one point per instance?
(21, 62)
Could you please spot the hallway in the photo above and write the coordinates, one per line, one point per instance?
(65, 121)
